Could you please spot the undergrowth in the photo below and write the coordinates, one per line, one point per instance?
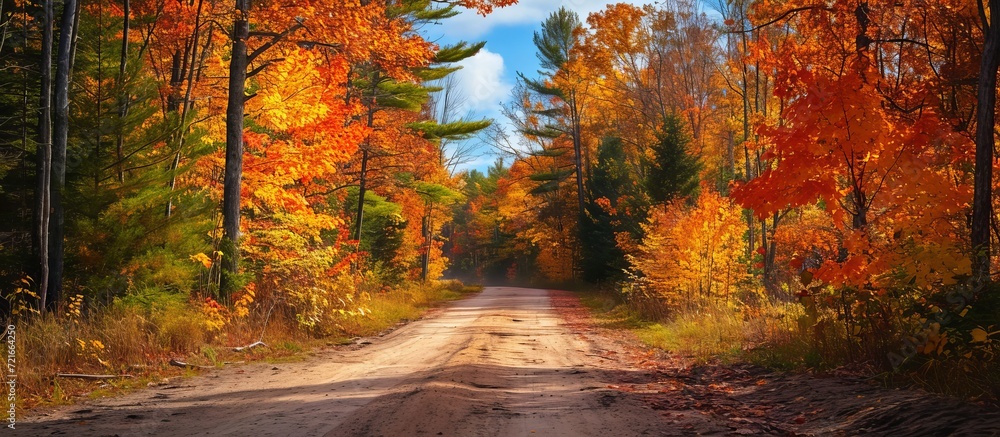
(705, 334)
(786, 336)
(139, 334)
(401, 304)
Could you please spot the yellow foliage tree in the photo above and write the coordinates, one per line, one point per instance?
(693, 254)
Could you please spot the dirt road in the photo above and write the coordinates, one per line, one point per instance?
(511, 362)
(497, 364)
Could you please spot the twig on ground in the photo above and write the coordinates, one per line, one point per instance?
(249, 346)
(91, 377)
(178, 363)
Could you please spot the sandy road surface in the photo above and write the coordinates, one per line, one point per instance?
(501, 363)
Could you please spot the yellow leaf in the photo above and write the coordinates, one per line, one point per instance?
(203, 259)
(978, 335)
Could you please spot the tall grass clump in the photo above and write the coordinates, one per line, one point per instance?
(747, 326)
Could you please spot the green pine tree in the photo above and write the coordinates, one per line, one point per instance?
(601, 258)
(673, 172)
(118, 180)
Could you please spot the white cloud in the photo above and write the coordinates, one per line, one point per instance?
(481, 82)
(469, 25)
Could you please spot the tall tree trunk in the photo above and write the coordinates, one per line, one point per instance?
(770, 253)
(363, 178)
(362, 182)
(44, 155)
(123, 97)
(192, 63)
(60, 137)
(232, 179)
(578, 163)
(731, 156)
(99, 132)
(174, 163)
(982, 200)
(425, 261)
(176, 74)
(577, 150)
(748, 173)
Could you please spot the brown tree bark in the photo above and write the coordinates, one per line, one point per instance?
(233, 176)
(123, 99)
(982, 199)
(60, 137)
(44, 156)
(363, 177)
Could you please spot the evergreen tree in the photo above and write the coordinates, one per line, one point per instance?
(554, 43)
(19, 115)
(380, 92)
(119, 180)
(673, 172)
(614, 205)
(381, 234)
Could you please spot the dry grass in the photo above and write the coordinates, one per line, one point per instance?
(703, 335)
(784, 335)
(771, 333)
(119, 341)
(402, 304)
(139, 336)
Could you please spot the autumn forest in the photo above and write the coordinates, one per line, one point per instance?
(792, 183)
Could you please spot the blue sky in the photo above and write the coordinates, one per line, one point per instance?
(487, 78)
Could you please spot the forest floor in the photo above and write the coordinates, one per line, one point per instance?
(510, 361)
